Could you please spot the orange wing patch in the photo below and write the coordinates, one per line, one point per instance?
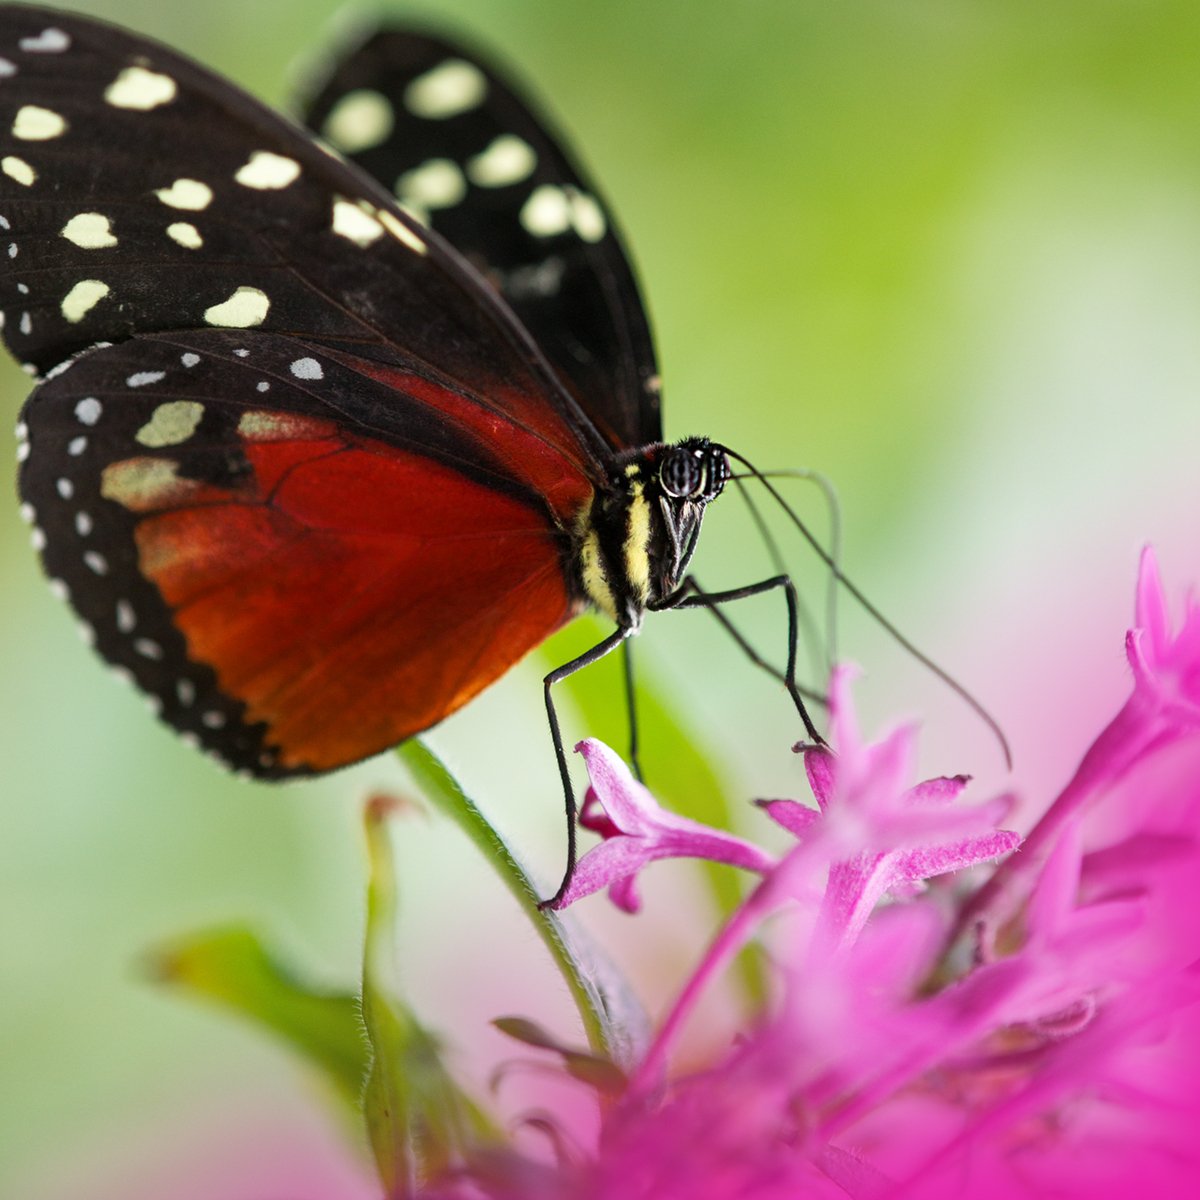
(350, 594)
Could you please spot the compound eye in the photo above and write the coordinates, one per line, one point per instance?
(717, 470)
(680, 474)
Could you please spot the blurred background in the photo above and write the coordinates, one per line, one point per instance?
(946, 253)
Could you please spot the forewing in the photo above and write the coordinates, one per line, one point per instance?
(461, 148)
(292, 592)
(139, 192)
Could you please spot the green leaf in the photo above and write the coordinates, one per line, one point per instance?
(232, 967)
(614, 1022)
(419, 1122)
(679, 773)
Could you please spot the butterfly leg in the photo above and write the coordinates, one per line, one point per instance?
(691, 595)
(631, 709)
(586, 659)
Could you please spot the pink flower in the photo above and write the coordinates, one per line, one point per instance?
(1038, 1035)
(638, 831)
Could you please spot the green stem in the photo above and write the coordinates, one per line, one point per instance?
(613, 1020)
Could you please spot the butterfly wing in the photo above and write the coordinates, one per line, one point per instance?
(317, 494)
(459, 146)
(139, 192)
(293, 593)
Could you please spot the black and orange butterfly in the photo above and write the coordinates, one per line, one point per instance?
(331, 428)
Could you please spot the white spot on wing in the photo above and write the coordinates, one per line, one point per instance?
(18, 169)
(89, 231)
(126, 617)
(36, 124)
(96, 562)
(268, 172)
(307, 368)
(59, 589)
(37, 539)
(140, 89)
(454, 87)
(185, 689)
(88, 410)
(358, 121)
(142, 378)
(248, 306)
(188, 194)
(82, 298)
(65, 488)
(547, 212)
(262, 386)
(28, 513)
(437, 183)
(189, 359)
(213, 719)
(83, 523)
(76, 446)
(49, 41)
(7, 69)
(354, 222)
(148, 648)
(587, 216)
(508, 160)
(188, 236)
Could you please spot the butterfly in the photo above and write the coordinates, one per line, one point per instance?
(333, 424)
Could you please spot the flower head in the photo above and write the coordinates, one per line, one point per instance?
(1038, 1034)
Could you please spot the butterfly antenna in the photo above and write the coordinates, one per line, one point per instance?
(834, 509)
(808, 624)
(830, 560)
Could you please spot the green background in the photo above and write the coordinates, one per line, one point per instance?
(946, 253)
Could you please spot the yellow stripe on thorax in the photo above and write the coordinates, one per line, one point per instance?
(637, 543)
(595, 579)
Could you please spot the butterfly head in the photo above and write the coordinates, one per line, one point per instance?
(637, 540)
(687, 477)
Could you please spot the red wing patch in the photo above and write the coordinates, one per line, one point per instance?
(355, 596)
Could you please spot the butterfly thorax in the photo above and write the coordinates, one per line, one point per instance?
(634, 544)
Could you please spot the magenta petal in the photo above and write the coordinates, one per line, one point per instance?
(796, 818)
(628, 803)
(842, 721)
(638, 831)
(624, 894)
(943, 789)
(926, 862)
(593, 817)
(603, 865)
(1053, 898)
(1150, 605)
(819, 765)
